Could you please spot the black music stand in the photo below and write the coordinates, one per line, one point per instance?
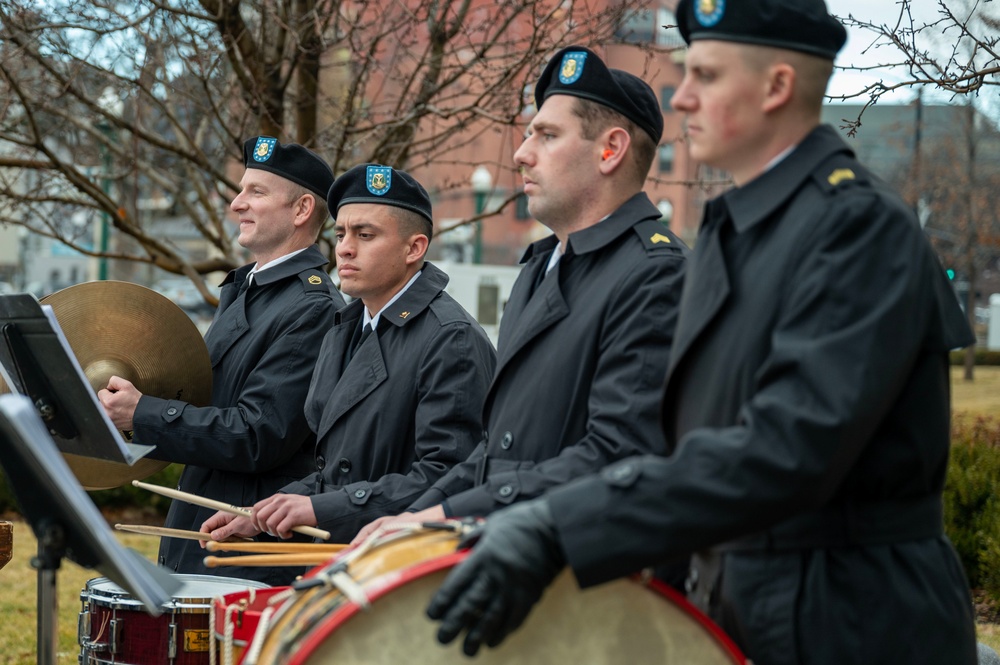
(66, 522)
(37, 361)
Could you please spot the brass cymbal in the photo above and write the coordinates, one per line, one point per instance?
(123, 329)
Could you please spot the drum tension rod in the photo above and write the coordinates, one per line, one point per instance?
(337, 577)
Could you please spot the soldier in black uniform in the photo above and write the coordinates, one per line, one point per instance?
(394, 412)
(586, 333)
(263, 343)
(807, 402)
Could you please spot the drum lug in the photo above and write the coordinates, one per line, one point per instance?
(113, 628)
(83, 627)
(172, 641)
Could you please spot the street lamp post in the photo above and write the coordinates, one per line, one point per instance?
(482, 183)
(112, 104)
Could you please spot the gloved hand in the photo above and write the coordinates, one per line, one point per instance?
(491, 593)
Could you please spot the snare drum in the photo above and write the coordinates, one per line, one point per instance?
(115, 628)
(625, 621)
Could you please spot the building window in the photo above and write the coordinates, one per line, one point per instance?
(488, 309)
(638, 26)
(666, 94)
(521, 207)
(666, 154)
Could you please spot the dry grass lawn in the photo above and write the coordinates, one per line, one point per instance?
(18, 579)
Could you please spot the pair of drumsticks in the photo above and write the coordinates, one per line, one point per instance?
(275, 554)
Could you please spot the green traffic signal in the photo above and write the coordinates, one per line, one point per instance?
(951, 273)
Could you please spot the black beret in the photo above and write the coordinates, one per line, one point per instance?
(579, 72)
(384, 185)
(292, 162)
(798, 25)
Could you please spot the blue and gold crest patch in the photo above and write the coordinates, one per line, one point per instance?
(572, 67)
(378, 179)
(709, 12)
(264, 148)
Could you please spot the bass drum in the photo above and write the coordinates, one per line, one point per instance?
(620, 622)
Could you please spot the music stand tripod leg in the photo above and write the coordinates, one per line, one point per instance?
(51, 549)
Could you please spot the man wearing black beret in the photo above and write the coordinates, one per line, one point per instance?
(263, 342)
(586, 335)
(806, 406)
(396, 398)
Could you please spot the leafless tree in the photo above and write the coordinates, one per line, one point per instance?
(956, 52)
(956, 189)
(111, 107)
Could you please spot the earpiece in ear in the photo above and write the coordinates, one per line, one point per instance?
(607, 154)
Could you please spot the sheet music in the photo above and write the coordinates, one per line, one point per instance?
(126, 450)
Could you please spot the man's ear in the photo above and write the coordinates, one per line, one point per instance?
(613, 149)
(304, 207)
(781, 80)
(418, 243)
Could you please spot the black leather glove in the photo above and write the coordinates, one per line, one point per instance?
(491, 593)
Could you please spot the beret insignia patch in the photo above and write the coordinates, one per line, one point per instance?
(379, 179)
(264, 148)
(572, 67)
(840, 175)
(709, 12)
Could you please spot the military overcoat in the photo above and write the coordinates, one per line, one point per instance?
(254, 438)
(401, 413)
(580, 361)
(807, 412)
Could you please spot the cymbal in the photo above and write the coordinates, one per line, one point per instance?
(123, 329)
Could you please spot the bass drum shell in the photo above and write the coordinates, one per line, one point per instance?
(624, 621)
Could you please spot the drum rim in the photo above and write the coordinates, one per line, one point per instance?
(123, 600)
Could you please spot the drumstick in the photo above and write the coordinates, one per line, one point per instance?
(163, 531)
(267, 560)
(224, 507)
(275, 548)
(171, 533)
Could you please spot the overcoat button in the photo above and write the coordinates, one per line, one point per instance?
(320, 462)
(345, 465)
(360, 494)
(622, 472)
(172, 411)
(506, 490)
(507, 440)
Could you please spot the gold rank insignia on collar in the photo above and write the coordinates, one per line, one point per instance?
(658, 237)
(840, 175)
(403, 315)
(315, 279)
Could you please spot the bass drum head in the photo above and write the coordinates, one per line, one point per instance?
(619, 622)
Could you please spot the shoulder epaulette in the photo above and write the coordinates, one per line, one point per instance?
(838, 173)
(315, 280)
(655, 236)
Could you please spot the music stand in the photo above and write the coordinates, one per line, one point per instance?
(37, 361)
(66, 522)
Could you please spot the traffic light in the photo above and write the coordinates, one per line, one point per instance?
(950, 273)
